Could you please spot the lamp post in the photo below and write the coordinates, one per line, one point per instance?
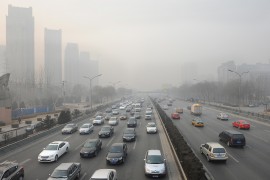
(240, 80)
(90, 81)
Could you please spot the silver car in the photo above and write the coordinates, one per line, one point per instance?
(155, 164)
(86, 128)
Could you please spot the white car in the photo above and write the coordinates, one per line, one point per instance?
(113, 121)
(155, 164)
(98, 120)
(53, 151)
(223, 116)
(86, 128)
(151, 127)
(122, 107)
(115, 112)
(106, 174)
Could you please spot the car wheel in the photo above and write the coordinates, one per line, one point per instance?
(123, 160)
(67, 150)
(201, 151)
(56, 158)
(208, 159)
(228, 144)
(95, 153)
(79, 174)
(21, 178)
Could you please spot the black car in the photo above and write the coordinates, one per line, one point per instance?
(70, 128)
(117, 153)
(11, 170)
(91, 148)
(129, 134)
(232, 138)
(106, 131)
(132, 122)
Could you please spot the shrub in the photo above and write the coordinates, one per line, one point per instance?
(2, 123)
(64, 117)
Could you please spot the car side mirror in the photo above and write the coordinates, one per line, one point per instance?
(144, 159)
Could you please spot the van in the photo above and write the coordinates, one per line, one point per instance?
(232, 138)
(214, 151)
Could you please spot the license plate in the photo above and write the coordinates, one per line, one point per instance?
(238, 142)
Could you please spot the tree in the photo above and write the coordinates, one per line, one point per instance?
(22, 105)
(14, 105)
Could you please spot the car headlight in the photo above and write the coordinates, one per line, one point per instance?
(39, 156)
(120, 158)
(147, 170)
(51, 156)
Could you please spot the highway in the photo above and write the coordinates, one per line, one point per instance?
(132, 169)
(250, 162)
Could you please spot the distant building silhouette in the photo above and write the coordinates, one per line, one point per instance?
(71, 64)
(94, 70)
(3, 63)
(224, 75)
(53, 56)
(20, 44)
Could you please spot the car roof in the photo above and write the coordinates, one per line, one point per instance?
(87, 124)
(102, 173)
(152, 123)
(215, 145)
(118, 144)
(57, 142)
(63, 166)
(233, 132)
(7, 164)
(91, 140)
(154, 152)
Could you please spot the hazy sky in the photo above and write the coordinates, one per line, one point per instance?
(144, 43)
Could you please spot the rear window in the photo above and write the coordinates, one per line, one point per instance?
(218, 150)
(238, 136)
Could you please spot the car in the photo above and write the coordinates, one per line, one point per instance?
(67, 171)
(169, 103)
(128, 109)
(11, 170)
(91, 148)
(32, 127)
(114, 106)
(132, 112)
(86, 128)
(137, 115)
(223, 116)
(138, 109)
(106, 131)
(129, 134)
(241, 124)
(154, 164)
(132, 122)
(108, 110)
(53, 151)
(115, 112)
(232, 138)
(117, 153)
(122, 107)
(108, 116)
(214, 151)
(165, 107)
(197, 122)
(175, 115)
(123, 116)
(113, 121)
(179, 110)
(104, 174)
(98, 120)
(151, 127)
(70, 128)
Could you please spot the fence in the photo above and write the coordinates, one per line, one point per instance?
(22, 112)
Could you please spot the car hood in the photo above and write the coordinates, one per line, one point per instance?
(157, 167)
(114, 155)
(101, 132)
(128, 135)
(67, 129)
(84, 149)
(48, 153)
(151, 128)
(84, 129)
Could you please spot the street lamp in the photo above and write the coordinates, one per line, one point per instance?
(240, 80)
(90, 80)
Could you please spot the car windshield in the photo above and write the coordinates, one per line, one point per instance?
(98, 179)
(85, 126)
(69, 125)
(151, 125)
(148, 112)
(89, 144)
(218, 150)
(131, 121)
(59, 174)
(105, 128)
(98, 118)
(113, 118)
(154, 159)
(51, 147)
(116, 149)
(129, 131)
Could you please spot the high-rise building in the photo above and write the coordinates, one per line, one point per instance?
(20, 44)
(71, 63)
(53, 56)
(94, 70)
(3, 66)
(224, 75)
(85, 67)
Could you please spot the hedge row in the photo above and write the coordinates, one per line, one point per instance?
(191, 164)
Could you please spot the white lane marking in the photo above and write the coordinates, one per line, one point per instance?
(25, 161)
(83, 176)
(266, 130)
(134, 146)
(252, 126)
(248, 146)
(67, 137)
(109, 142)
(80, 145)
(233, 158)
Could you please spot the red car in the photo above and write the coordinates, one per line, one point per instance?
(241, 124)
(175, 116)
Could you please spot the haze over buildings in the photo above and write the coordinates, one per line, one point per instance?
(3, 63)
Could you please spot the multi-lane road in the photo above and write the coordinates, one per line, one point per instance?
(132, 169)
(250, 162)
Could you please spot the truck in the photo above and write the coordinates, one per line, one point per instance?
(196, 109)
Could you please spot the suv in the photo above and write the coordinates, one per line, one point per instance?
(214, 151)
(232, 138)
(104, 174)
(69, 171)
(11, 170)
(155, 164)
(117, 153)
(223, 116)
(98, 120)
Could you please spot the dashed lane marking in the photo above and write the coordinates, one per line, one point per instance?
(233, 158)
(109, 142)
(67, 137)
(83, 176)
(25, 161)
(134, 146)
